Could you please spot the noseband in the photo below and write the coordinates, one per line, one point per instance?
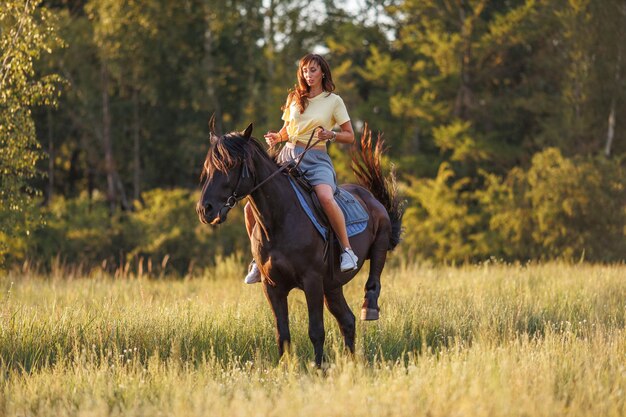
(235, 198)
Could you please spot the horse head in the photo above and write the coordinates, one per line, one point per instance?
(228, 174)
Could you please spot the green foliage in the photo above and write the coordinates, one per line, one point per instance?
(168, 226)
(26, 31)
(443, 224)
(162, 235)
(466, 93)
(457, 138)
(559, 208)
(79, 231)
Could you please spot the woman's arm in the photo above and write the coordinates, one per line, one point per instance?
(346, 135)
(273, 138)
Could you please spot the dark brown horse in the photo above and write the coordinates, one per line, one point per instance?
(287, 248)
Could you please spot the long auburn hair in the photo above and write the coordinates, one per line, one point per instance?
(300, 91)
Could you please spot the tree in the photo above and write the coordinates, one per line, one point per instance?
(559, 208)
(593, 85)
(26, 31)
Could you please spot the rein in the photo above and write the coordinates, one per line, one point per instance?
(235, 198)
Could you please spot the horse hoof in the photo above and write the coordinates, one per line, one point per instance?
(368, 314)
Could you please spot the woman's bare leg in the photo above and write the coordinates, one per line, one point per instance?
(335, 215)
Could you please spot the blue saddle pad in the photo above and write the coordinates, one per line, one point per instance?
(353, 211)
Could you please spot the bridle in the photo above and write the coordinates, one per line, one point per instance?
(235, 198)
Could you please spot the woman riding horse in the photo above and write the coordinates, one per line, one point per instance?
(311, 104)
(286, 246)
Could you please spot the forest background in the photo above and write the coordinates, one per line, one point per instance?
(505, 120)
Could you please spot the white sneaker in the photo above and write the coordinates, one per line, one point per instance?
(349, 260)
(254, 275)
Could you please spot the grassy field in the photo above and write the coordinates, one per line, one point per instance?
(487, 340)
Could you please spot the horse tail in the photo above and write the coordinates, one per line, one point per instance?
(367, 169)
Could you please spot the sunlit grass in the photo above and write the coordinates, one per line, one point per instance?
(479, 340)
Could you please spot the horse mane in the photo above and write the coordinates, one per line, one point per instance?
(231, 149)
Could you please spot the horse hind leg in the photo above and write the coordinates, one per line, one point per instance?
(378, 256)
(338, 307)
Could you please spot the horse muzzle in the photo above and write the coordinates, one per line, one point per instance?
(204, 214)
(209, 215)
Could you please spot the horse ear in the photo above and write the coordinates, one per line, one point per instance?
(212, 124)
(213, 136)
(248, 132)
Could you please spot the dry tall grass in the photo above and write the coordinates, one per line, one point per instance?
(488, 340)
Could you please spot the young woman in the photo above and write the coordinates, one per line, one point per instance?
(310, 104)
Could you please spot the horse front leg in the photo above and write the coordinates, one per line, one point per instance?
(314, 293)
(277, 298)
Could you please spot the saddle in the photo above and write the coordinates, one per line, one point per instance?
(354, 213)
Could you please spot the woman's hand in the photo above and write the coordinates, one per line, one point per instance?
(272, 138)
(324, 134)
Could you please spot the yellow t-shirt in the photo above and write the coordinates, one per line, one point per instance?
(326, 110)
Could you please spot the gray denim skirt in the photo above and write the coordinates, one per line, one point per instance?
(316, 165)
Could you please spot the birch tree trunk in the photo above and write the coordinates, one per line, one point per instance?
(611, 129)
